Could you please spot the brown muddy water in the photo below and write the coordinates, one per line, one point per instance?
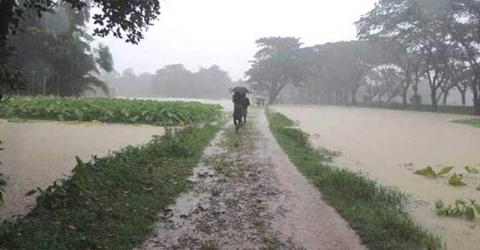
(382, 144)
(38, 153)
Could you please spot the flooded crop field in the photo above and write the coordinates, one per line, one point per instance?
(389, 146)
(38, 153)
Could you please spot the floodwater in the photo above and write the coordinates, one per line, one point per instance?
(38, 153)
(382, 144)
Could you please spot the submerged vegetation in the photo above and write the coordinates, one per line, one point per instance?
(109, 110)
(472, 122)
(459, 209)
(111, 202)
(378, 213)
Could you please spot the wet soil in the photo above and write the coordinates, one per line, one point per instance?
(389, 146)
(246, 194)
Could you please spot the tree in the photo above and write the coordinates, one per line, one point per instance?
(120, 18)
(55, 54)
(276, 65)
(438, 31)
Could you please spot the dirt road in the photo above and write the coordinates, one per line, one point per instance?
(247, 195)
(380, 142)
(38, 153)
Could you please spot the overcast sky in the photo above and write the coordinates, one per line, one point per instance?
(223, 32)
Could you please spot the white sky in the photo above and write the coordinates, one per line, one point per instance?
(223, 32)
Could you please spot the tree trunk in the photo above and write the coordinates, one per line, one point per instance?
(445, 96)
(404, 97)
(6, 15)
(463, 94)
(476, 98)
(275, 89)
(433, 96)
(354, 98)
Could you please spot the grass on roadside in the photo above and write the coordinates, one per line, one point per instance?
(111, 202)
(378, 213)
(472, 122)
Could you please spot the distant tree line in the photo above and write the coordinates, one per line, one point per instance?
(403, 44)
(172, 81)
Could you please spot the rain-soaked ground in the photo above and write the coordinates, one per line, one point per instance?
(247, 195)
(38, 153)
(383, 143)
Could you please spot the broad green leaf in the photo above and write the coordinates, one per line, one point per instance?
(444, 171)
(477, 207)
(470, 213)
(428, 172)
(456, 180)
(471, 170)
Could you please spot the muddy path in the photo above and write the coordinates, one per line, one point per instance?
(245, 194)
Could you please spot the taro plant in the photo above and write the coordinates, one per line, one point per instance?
(454, 180)
(430, 173)
(110, 110)
(458, 209)
(471, 170)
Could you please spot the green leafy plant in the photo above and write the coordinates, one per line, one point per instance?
(471, 170)
(444, 171)
(110, 110)
(428, 172)
(456, 180)
(458, 209)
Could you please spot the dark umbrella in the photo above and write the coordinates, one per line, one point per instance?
(241, 89)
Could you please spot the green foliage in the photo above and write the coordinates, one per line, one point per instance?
(428, 172)
(110, 202)
(278, 63)
(444, 171)
(472, 122)
(110, 110)
(378, 213)
(456, 180)
(458, 209)
(471, 170)
(450, 109)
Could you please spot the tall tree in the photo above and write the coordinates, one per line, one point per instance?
(277, 64)
(120, 18)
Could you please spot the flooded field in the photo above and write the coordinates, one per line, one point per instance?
(38, 153)
(383, 143)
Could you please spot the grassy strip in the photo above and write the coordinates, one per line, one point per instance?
(472, 122)
(109, 110)
(376, 212)
(448, 109)
(111, 202)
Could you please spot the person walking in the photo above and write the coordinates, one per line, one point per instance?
(245, 109)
